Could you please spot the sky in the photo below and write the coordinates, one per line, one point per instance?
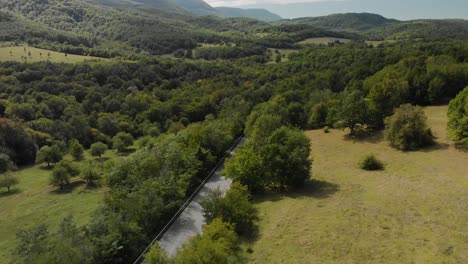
(399, 9)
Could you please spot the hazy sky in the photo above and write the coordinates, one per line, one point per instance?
(399, 9)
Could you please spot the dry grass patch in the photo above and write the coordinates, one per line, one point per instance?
(413, 212)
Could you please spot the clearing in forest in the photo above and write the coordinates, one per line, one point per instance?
(31, 54)
(415, 211)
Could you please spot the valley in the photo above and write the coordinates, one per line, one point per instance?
(113, 112)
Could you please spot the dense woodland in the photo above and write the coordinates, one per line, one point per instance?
(187, 113)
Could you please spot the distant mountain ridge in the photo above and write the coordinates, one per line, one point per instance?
(347, 21)
(261, 14)
(377, 27)
(196, 7)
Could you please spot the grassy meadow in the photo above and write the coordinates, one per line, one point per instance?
(31, 54)
(324, 41)
(415, 211)
(34, 201)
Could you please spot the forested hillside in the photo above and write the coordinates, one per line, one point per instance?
(134, 135)
(377, 27)
(109, 32)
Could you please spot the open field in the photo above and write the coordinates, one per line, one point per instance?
(31, 54)
(324, 41)
(413, 212)
(34, 202)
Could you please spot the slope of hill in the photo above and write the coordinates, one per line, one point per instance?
(198, 7)
(260, 14)
(422, 29)
(348, 21)
(375, 26)
(83, 28)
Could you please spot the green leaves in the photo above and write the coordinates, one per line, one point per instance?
(458, 116)
(407, 129)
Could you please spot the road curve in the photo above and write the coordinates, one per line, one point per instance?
(191, 220)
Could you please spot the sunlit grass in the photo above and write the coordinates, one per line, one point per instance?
(413, 212)
(24, 53)
(34, 201)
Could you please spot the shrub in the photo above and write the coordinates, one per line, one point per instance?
(458, 118)
(7, 181)
(97, 149)
(407, 128)
(371, 163)
(326, 129)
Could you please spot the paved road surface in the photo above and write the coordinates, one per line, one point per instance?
(191, 221)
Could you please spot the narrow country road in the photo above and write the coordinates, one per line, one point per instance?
(191, 221)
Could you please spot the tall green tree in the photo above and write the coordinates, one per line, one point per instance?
(407, 129)
(76, 150)
(49, 154)
(458, 118)
(217, 244)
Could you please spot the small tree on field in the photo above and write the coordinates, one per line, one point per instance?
(91, 174)
(63, 172)
(49, 155)
(7, 181)
(97, 149)
(407, 129)
(76, 150)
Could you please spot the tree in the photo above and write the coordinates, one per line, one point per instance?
(16, 142)
(49, 154)
(76, 150)
(31, 244)
(353, 110)
(318, 116)
(97, 149)
(122, 141)
(247, 168)
(407, 129)
(63, 172)
(91, 174)
(458, 118)
(286, 158)
(234, 208)
(157, 256)
(67, 245)
(217, 244)
(7, 180)
(5, 163)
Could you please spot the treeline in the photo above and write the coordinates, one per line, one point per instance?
(147, 188)
(82, 28)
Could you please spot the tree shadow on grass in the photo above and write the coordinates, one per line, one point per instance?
(11, 192)
(435, 147)
(313, 188)
(374, 137)
(318, 189)
(68, 188)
